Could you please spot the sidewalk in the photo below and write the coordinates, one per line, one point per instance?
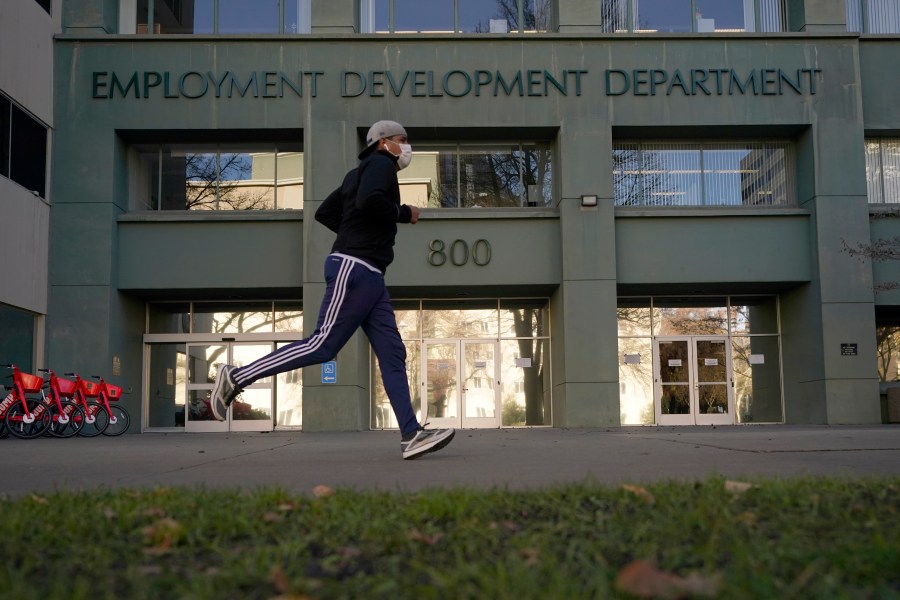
(513, 458)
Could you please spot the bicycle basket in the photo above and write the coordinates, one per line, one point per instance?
(66, 387)
(115, 392)
(31, 383)
(90, 389)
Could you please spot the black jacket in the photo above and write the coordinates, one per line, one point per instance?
(364, 211)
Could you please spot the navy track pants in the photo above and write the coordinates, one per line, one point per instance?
(355, 296)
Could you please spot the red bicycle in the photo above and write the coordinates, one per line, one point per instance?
(24, 417)
(117, 418)
(66, 417)
(96, 416)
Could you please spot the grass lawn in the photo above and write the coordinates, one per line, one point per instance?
(798, 538)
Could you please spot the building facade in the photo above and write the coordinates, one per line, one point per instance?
(634, 213)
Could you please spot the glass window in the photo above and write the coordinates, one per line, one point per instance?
(224, 317)
(289, 396)
(634, 316)
(756, 362)
(5, 117)
(636, 380)
(169, 317)
(703, 174)
(468, 176)
(691, 316)
(873, 16)
(459, 319)
(883, 170)
(289, 317)
(454, 16)
(27, 151)
(166, 385)
(753, 314)
(888, 353)
(663, 15)
(223, 16)
(216, 177)
(525, 384)
(17, 339)
(650, 16)
(524, 318)
(240, 16)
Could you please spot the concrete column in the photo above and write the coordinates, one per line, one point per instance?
(816, 16)
(87, 17)
(578, 16)
(330, 150)
(585, 347)
(335, 16)
(825, 382)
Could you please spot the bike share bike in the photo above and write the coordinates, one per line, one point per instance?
(69, 408)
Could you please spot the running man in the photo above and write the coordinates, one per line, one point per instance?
(364, 213)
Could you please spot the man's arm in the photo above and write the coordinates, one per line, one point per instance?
(331, 210)
(372, 197)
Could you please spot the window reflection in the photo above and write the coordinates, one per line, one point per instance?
(455, 16)
(710, 174)
(683, 16)
(438, 337)
(236, 318)
(756, 362)
(222, 16)
(691, 316)
(216, 177)
(166, 379)
(466, 176)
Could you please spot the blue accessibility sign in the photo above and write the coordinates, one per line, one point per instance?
(329, 372)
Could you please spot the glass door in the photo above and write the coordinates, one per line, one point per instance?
(251, 412)
(480, 385)
(440, 384)
(692, 381)
(713, 378)
(460, 383)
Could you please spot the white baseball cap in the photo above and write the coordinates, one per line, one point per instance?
(381, 130)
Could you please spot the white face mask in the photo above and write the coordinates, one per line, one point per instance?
(405, 156)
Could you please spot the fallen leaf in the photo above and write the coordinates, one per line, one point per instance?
(427, 539)
(642, 579)
(531, 556)
(272, 517)
(640, 492)
(322, 491)
(39, 499)
(162, 535)
(278, 579)
(737, 487)
(286, 506)
(109, 513)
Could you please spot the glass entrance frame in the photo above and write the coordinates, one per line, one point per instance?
(461, 383)
(694, 382)
(751, 328)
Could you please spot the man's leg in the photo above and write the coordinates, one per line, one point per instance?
(380, 327)
(348, 299)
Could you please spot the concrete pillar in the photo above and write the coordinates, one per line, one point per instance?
(585, 347)
(816, 16)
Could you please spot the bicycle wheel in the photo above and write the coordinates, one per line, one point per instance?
(18, 427)
(67, 423)
(96, 420)
(119, 422)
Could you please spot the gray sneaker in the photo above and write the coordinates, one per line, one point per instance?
(425, 441)
(223, 393)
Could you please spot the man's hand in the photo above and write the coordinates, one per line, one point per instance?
(414, 210)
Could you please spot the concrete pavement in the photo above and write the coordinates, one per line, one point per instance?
(511, 458)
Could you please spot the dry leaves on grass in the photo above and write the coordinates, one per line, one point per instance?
(322, 491)
(282, 586)
(640, 492)
(425, 538)
(737, 487)
(162, 535)
(643, 580)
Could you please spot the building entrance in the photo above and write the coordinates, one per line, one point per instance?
(693, 381)
(461, 383)
(252, 411)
